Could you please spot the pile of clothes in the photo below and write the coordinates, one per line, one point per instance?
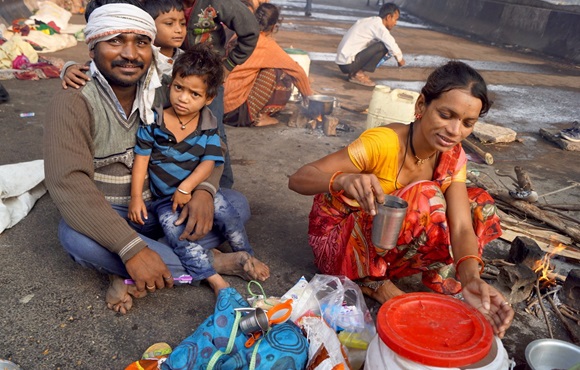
(25, 39)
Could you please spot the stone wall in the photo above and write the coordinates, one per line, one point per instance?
(530, 24)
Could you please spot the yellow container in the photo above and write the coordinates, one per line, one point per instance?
(391, 105)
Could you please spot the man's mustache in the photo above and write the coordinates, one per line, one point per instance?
(125, 63)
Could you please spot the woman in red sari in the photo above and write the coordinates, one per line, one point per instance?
(446, 225)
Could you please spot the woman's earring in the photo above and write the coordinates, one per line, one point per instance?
(418, 116)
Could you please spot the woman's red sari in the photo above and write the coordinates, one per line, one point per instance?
(340, 234)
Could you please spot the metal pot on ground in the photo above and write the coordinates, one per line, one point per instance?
(320, 105)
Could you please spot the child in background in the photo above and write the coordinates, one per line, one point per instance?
(179, 152)
(169, 19)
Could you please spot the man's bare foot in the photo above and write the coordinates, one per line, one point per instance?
(119, 295)
(217, 283)
(383, 293)
(241, 264)
(265, 120)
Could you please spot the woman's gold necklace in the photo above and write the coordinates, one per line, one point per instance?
(420, 161)
(181, 123)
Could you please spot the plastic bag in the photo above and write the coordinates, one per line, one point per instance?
(325, 352)
(341, 304)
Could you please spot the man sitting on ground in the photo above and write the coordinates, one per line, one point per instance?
(89, 139)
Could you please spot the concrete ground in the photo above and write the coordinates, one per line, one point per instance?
(53, 313)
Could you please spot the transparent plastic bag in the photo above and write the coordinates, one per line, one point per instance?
(340, 302)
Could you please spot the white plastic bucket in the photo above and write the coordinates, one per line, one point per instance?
(391, 105)
(380, 356)
(302, 58)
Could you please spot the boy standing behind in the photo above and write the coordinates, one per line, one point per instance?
(366, 43)
(170, 23)
(179, 152)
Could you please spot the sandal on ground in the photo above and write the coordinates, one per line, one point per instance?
(157, 350)
(572, 133)
(361, 79)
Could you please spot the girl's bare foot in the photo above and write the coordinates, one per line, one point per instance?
(241, 264)
(119, 295)
(217, 283)
(265, 120)
(383, 292)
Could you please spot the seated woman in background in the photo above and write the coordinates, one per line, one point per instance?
(446, 225)
(262, 85)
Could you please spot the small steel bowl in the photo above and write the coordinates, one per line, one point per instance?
(549, 354)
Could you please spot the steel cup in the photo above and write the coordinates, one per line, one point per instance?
(388, 221)
(254, 321)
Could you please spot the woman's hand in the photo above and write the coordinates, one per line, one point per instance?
(487, 300)
(364, 188)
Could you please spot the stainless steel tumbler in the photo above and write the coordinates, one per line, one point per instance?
(256, 320)
(388, 221)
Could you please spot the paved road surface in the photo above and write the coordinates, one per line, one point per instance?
(53, 314)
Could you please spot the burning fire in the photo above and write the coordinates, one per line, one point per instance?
(544, 269)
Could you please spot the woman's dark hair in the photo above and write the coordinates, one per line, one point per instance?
(388, 9)
(202, 61)
(94, 4)
(267, 16)
(456, 75)
(158, 7)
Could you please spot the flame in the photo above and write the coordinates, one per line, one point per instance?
(319, 118)
(544, 269)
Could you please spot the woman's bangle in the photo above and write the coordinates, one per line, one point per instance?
(183, 191)
(465, 258)
(330, 190)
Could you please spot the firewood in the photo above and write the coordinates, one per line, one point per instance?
(569, 315)
(529, 209)
(537, 287)
(487, 157)
(570, 330)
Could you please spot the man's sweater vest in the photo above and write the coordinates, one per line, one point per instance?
(114, 138)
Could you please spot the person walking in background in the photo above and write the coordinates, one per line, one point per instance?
(367, 44)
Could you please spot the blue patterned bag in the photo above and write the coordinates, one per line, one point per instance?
(212, 345)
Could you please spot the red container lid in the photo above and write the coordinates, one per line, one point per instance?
(434, 330)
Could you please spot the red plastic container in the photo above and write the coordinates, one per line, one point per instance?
(434, 330)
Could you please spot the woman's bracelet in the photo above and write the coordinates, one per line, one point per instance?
(465, 258)
(183, 191)
(330, 190)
